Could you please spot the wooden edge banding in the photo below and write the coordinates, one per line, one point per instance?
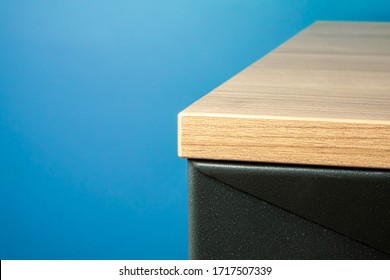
(315, 142)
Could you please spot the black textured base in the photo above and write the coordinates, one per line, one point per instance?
(229, 218)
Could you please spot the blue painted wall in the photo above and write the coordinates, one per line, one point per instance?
(89, 93)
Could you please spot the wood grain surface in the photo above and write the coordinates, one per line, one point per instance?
(321, 98)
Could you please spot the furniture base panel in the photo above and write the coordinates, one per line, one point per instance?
(247, 211)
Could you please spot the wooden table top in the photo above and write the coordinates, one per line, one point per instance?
(321, 98)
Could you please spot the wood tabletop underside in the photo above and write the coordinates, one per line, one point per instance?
(321, 98)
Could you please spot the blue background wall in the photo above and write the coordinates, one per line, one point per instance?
(89, 94)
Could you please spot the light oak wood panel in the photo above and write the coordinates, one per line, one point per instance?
(322, 98)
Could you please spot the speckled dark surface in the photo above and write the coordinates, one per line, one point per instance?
(228, 223)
